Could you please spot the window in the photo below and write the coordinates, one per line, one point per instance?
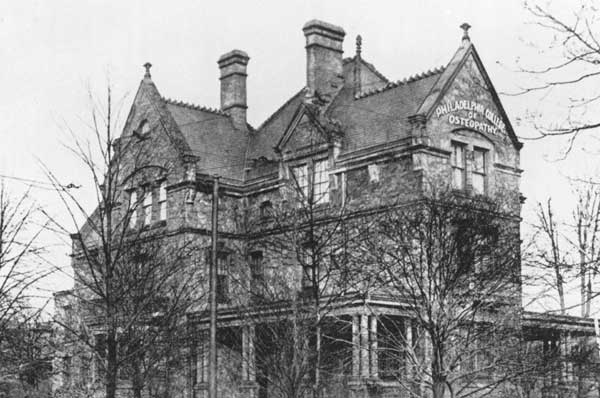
(223, 260)
(144, 128)
(321, 182)
(222, 277)
(256, 266)
(162, 201)
(300, 175)
(313, 175)
(67, 369)
(148, 206)
(132, 209)
(308, 281)
(373, 172)
(479, 170)
(458, 166)
(266, 207)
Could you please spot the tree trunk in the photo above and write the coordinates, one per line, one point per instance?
(136, 384)
(560, 288)
(111, 364)
(588, 302)
(582, 278)
(438, 378)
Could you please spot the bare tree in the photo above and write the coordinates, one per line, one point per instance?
(586, 220)
(22, 262)
(301, 256)
(27, 352)
(549, 254)
(454, 263)
(569, 67)
(132, 284)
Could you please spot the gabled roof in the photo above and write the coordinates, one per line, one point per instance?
(466, 50)
(371, 110)
(379, 115)
(262, 141)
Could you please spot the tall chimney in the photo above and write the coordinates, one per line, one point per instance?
(233, 86)
(324, 64)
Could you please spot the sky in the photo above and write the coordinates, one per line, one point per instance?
(55, 53)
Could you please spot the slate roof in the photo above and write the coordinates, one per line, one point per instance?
(371, 113)
(381, 115)
(219, 147)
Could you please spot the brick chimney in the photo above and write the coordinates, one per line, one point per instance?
(233, 86)
(324, 51)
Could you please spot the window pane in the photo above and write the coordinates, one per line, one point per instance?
(148, 207)
(479, 183)
(458, 155)
(222, 289)
(162, 195)
(321, 182)
(479, 161)
(133, 209)
(458, 178)
(300, 177)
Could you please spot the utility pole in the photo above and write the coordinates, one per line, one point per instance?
(212, 356)
(597, 330)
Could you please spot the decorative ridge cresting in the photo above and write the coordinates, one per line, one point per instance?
(401, 82)
(194, 106)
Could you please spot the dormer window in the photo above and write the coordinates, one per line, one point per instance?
(321, 182)
(300, 177)
(311, 180)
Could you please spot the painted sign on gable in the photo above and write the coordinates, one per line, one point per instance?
(472, 114)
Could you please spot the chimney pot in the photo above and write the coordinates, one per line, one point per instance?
(233, 86)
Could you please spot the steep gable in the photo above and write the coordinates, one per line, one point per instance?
(464, 97)
(303, 132)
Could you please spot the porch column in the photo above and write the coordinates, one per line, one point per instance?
(364, 345)
(201, 367)
(409, 350)
(373, 347)
(564, 348)
(249, 386)
(355, 346)
(191, 367)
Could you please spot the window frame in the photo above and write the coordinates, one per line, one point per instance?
(481, 173)
(462, 169)
(133, 208)
(311, 179)
(147, 205)
(162, 201)
(257, 268)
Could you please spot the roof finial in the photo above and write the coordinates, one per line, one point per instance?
(147, 65)
(358, 45)
(465, 27)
